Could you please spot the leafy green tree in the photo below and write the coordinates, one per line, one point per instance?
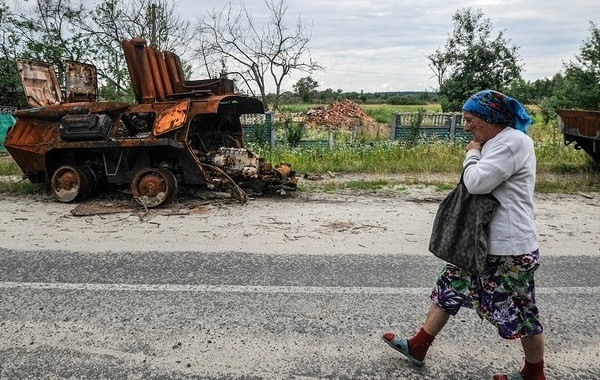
(44, 32)
(544, 88)
(327, 95)
(520, 89)
(473, 60)
(11, 93)
(580, 87)
(10, 85)
(305, 88)
(41, 32)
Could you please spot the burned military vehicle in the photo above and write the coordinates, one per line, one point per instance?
(179, 133)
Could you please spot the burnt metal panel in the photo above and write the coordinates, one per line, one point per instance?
(84, 127)
(155, 74)
(580, 123)
(29, 141)
(242, 104)
(39, 82)
(81, 82)
(583, 128)
(171, 118)
(164, 73)
(56, 112)
(123, 143)
(139, 70)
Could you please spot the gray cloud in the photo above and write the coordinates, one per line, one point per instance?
(382, 45)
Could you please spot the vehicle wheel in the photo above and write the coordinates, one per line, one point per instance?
(152, 187)
(90, 181)
(68, 184)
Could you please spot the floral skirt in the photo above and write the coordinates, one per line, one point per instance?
(504, 293)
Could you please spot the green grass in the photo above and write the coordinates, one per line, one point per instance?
(8, 166)
(382, 113)
(378, 157)
(569, 184)
(8, 186)
(445, 187)
(297, 108)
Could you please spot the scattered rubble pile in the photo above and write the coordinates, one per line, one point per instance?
(343, 115)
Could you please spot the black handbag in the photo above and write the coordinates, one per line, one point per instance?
(460, 232)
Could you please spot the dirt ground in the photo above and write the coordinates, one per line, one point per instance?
(393, 221)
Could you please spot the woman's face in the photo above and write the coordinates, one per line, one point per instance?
(482, 130)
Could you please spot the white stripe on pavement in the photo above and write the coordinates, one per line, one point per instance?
(255, 288)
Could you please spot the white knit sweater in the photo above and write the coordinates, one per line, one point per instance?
(505, 166)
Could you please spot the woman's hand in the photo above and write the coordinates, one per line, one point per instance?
(473, 145)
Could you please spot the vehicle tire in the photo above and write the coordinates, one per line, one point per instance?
(152, 187)
(68, 184)
(90, 181)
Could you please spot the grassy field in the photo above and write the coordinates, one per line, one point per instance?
(382, 113)
(560, 168)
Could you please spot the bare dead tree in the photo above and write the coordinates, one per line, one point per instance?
(439, 65)
(258, 56)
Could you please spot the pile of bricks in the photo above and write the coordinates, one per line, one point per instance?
(342, 115)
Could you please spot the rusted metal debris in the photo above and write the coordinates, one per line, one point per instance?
(583, 128)
(179, 133)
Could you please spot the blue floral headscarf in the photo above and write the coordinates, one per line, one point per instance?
(497, 108)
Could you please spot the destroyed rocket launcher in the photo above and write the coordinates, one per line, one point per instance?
(179, 133)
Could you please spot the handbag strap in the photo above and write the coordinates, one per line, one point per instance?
(462, 174)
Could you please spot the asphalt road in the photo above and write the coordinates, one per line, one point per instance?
(187, 315)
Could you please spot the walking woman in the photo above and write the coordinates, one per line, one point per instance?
(499, 160)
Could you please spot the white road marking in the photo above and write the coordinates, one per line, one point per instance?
(255, 288)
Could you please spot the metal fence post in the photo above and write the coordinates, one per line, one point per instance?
(270, 120)
(452, 126)
(393, 125)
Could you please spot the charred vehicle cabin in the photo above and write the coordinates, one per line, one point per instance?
(179, 133)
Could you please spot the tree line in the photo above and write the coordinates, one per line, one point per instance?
(475, 58)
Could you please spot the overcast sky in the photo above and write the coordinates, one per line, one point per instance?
(382, 45)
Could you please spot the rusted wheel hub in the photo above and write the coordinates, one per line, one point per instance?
(67, 184)
(152, 187)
